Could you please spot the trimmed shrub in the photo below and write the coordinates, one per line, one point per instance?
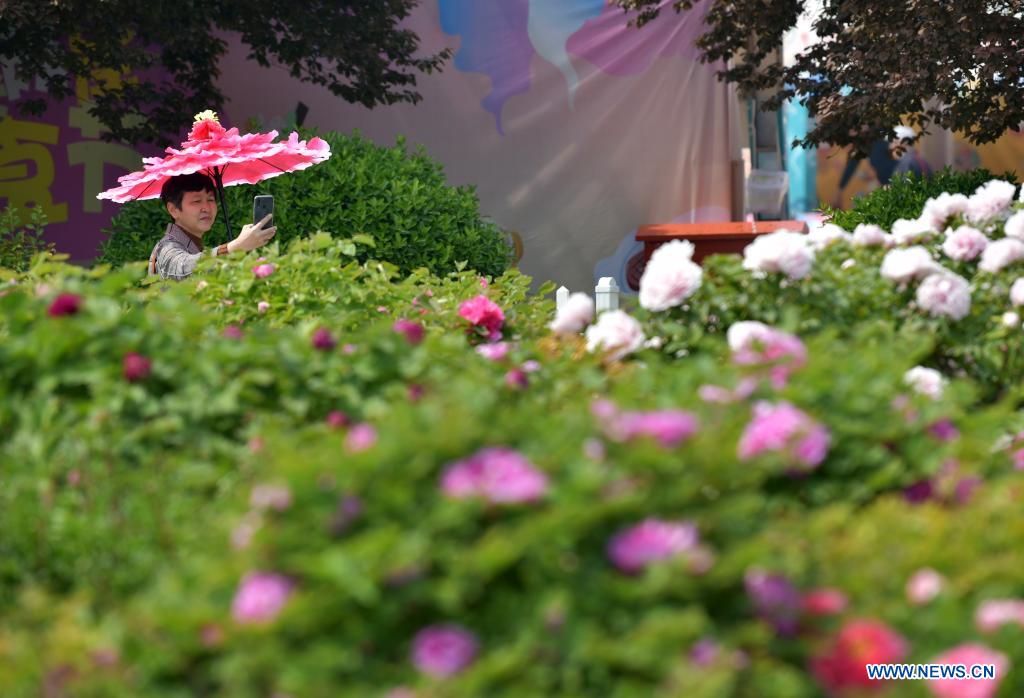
(399, 198)
(905, 194)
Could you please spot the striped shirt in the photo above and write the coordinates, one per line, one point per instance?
(177, 254)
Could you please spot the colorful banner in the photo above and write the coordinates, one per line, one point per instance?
(58, 163)
(574, 129)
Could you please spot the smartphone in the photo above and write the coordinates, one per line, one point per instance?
(261, 206)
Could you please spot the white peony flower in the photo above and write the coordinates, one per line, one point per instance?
(1017, 292)
(574, 315)
(823, 235)
(1010, 319)
(670, 276)
(945, 295)
(907, 232)
(1000, 254)
(870, 235)
(938, 210)
(903, 265)
(1014, 226)
(782, 251)
(964, 244)
(615, 332)
(990, 201)
(926, 381)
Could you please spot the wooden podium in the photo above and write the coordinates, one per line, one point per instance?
(711, 238)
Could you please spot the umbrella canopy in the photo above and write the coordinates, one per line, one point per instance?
(227, 157)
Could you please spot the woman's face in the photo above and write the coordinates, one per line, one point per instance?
(197, 213)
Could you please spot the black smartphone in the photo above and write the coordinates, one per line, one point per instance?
(261, 206)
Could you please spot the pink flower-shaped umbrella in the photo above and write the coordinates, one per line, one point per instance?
(223, 154)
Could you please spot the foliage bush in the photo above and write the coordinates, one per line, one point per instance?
(137, 505)
(905, 194)
(398, 197)
(21, 241)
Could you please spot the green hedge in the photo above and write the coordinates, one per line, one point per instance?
(399, 197)
(905, 195)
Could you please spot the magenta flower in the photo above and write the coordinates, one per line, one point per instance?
(516, 379)
(499, 475)
(415, 392)
(233, 332)
(443, 650)
(634, 548)
(705, 651)
(262, 271)
(483, 313)
(757, 344)
(323, 339)
(970, 654)
(943, 430)
(361, 437)
(413, 331)
(260, 597)
(775, 598)
(136, 367)
(782, 428)
(824, 602)
(337, 419)
(668, 427)
(65, 304)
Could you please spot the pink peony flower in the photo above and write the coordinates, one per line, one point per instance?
(924, 585)
(574, 315)
(945, 295)
(233, 332)
(821, 236)
(925, 381)
(276, 497)
(262, 271)
(989, 201)
(668, 427)
(754, 343)
(964, 243)
(783, 428)
(443, 650)
(413, 331)
(323, 339)
(633, 549)
(616, 333)
(783, 252)
(483, 313)
(870, 235)
(495, 352)
(65, 304)
(206, 129)
(859, 643)
(499, 475)
(1014, 226)
(360, 438)
(905, 265)
(260, 597)
(824, 602)
(516, 378)
(1001, 254)
(908, 231)
(262, 307)
(938, 210)
(969, 654)
(670, 276)
(993, 613)
(136, 367)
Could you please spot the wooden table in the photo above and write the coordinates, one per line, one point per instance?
(711, 238)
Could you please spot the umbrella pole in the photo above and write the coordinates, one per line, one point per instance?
(218, 180)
